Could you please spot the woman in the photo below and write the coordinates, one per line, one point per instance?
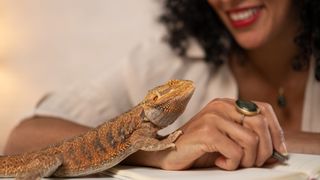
(258, 49)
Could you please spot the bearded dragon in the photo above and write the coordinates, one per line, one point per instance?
(108, 144)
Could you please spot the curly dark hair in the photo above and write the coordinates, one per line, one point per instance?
(185, 19)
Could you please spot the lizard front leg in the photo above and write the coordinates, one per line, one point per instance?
(153, 144)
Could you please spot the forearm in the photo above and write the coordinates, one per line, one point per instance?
(38, 132)
(301, 142)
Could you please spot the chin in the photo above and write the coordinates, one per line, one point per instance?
(249, 46)
(252, 39)
(250, 43)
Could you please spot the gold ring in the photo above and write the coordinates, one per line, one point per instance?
(247, 108)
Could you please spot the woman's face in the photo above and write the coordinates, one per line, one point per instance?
(254, 23)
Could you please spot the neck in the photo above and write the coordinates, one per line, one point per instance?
(273, 61)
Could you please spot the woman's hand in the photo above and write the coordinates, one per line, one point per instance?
(215, 137)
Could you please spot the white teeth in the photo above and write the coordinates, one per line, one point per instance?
(238, 16)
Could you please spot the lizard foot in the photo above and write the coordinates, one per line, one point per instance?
(152, 144)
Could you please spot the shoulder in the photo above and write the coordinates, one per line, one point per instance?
(153, 58)
(153, 62)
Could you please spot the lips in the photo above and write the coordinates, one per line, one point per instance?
(244, 17)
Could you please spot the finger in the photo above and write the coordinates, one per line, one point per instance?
(259, 125)
(276, 131)
(231, 152)
(272, 134)
(244, 137)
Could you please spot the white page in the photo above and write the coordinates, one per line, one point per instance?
(306, 163)
(299, 166)
(144, 173)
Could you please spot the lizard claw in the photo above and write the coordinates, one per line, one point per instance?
(174, 136)
(173, 146)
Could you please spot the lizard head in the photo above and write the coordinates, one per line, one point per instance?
(165, 103)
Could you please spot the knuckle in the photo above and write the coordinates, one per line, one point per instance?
(237, 154)
(207, 119)
(207, 125)
(267, 154)
(205, 129)
(268, 107)
(280, 131)
(261, 123)
(252, 140)
(216, 103)
(234, 166)
(234, 158)
(281, 134)
(264, 156)
(265, 107)
(247, 164)
(220, 103)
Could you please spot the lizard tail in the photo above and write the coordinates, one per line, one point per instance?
(29, 165)
(11, 165)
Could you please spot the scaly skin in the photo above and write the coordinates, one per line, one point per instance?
(107, 145)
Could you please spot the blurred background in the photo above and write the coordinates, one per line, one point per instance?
(47, 44)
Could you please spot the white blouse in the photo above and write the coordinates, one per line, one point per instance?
(151, 64)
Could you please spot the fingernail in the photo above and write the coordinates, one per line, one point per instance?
(283, 149)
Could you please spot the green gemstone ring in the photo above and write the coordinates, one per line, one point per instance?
(247, 107)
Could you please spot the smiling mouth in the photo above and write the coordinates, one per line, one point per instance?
(244, 17)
